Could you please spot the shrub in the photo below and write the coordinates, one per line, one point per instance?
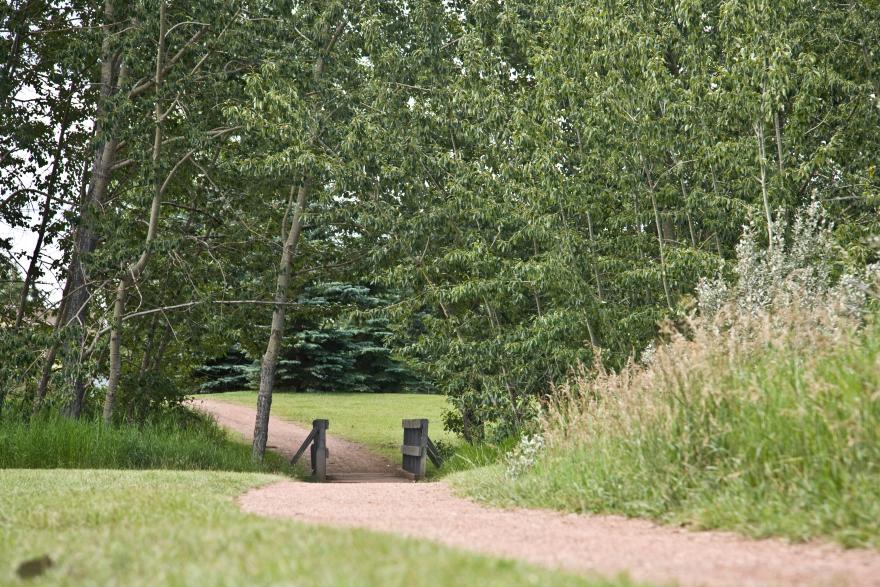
(760, 414)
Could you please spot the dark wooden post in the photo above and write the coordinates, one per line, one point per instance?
(415, 447)
(319, 450)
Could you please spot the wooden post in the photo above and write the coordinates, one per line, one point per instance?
(415, 447)
(319, 450)
(434, 454)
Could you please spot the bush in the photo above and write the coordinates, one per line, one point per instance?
(761, 414)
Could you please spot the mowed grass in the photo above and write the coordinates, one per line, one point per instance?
(776, 433)
(182, 528)
(372, 419)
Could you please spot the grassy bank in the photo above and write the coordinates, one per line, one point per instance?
(770, 429)
(182, 528)
(372, 419)
(175, 441)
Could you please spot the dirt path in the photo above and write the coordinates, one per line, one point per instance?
(347, 459)
(607, 545)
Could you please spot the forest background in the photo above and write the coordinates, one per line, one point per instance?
(506, 190)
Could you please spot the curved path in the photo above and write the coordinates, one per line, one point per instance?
(607, 545)
(347, 459)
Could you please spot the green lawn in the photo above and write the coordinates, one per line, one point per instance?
(134, 528)
(372, 419)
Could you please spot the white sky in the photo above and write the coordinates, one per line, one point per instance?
(24, 239)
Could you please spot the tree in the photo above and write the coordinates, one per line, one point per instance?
(585, 163)
(340, 343)
(312, 123)
(227, 373)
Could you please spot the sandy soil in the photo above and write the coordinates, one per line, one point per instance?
(606, 545)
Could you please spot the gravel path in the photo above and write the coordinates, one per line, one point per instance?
(607, 545)
(347, 459)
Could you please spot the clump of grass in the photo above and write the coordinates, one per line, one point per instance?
(761, 415)
(777, 434)
(463, 456)
(180, 440)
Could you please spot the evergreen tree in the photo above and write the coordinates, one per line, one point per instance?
(339, 343)
(230, 372)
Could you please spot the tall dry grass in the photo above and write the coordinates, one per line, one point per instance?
(760, 412)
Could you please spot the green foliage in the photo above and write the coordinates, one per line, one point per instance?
(588, 162)
(541, 182)
(761, 416)
(339, 343)
(227, 373)
(180, 440)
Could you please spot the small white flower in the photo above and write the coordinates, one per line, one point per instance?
(524, 455)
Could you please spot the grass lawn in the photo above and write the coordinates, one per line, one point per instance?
(182, 528)
(372, 419)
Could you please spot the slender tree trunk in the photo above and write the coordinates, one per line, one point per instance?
(687, 213)
(777, 126)
(691, 229)
(43, 385)
(593, 255)
(46, 212)
(662, 250)
(762, 161)
(156, 359)
(270, 358)
(149, 341)
(115, 349)
(658, 226)
(288, 253)
(85, 240)
(133, 272)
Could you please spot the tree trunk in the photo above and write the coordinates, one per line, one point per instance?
(134, 270)
(270, 358)
(762, 160)
(85, 240)
(46, 212)
(662, 250)
(685, 201)
(660, 243)
(42, 387)
(115, 350)
(777, 127)
(594, 258)
(20, 28)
